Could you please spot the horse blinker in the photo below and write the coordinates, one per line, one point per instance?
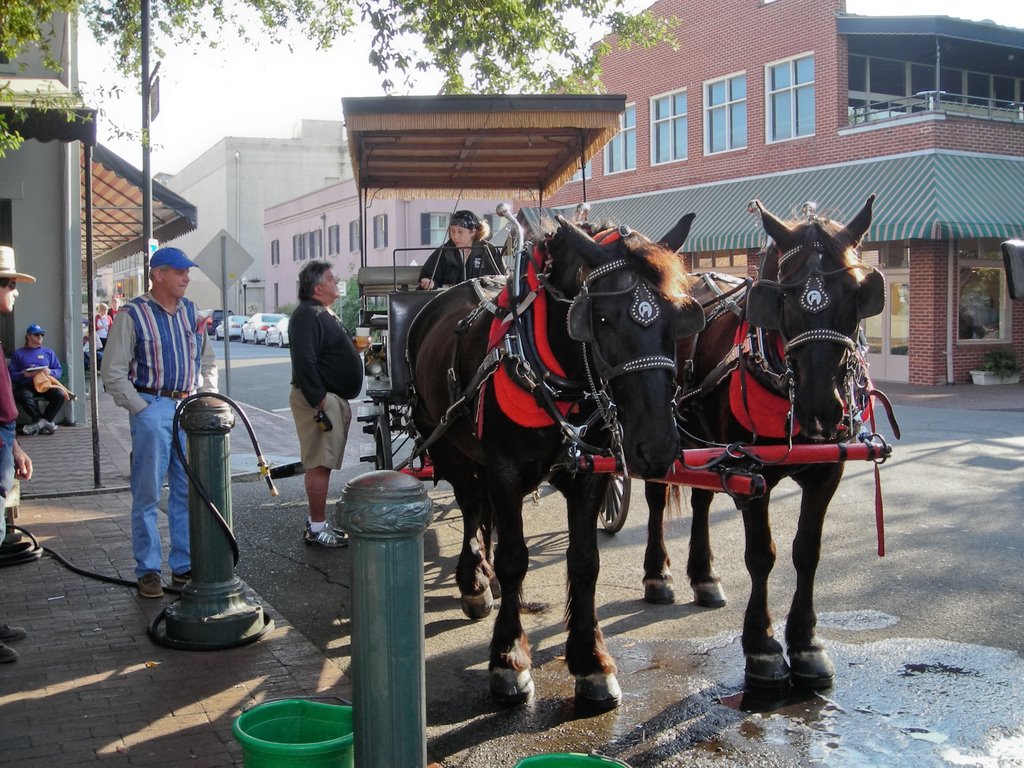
(871, 295)
(764, 308)
(580, 325)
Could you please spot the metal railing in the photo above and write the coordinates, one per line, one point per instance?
(937, 102)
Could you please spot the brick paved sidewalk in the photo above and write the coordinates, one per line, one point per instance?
(90, 685)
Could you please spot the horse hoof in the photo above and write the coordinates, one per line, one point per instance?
(812, 669)
(509, 686)
(767, 671)
(709, 594)
(597, 692)
(659, 591)
(479, 606)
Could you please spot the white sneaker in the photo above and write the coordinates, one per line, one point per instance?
(32, 429)
(48, 428)
(328, 537)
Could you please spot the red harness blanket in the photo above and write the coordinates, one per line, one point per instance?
(758, 409)
(515, 402)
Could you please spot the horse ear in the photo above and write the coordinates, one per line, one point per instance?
(591, 251)
(676, 236)
(871, 295)
(689, 319)
(855, 230)
(764, 308)
(776, 230)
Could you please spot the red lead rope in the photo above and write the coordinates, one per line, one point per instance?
(879, 516)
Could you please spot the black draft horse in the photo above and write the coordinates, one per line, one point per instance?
(804, 314)
(611, 313)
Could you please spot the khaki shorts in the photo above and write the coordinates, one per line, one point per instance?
(319, 448)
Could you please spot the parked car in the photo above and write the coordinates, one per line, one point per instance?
(278, 333)
(214, 317)
(255, 328)
(234, 323)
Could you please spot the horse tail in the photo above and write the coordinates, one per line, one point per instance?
(677, 502)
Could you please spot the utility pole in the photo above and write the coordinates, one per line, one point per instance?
(147, 173)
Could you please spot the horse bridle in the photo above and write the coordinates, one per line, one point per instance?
(644, 311)
(814, 298)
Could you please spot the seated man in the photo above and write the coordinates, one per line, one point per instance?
(26, 363)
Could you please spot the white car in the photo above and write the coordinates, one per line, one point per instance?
(277, 334)
(255, 328)
(234, 323)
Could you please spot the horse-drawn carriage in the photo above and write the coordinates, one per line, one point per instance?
(598, 355)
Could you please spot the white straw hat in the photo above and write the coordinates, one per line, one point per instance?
(7, 268)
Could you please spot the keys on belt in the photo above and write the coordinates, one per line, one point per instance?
(174, 394)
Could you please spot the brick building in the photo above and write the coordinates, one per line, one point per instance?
(795, 100)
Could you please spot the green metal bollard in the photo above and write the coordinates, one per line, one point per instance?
(386, 514)
(213, 612)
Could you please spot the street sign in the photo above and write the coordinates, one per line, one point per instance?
(231, 262)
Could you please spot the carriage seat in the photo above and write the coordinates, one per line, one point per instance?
(403, 306)
(380, 281)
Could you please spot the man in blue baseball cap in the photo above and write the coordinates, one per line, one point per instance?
(157, 354)
(26, 364)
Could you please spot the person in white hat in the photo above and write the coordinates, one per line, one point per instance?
(14, 462)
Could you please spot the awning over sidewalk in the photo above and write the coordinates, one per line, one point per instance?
(117, 209)
(935, 195)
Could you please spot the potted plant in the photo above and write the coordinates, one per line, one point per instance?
(998, 367)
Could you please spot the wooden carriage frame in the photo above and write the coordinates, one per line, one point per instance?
(517, 147)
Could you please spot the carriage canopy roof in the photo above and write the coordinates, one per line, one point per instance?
(475, 146)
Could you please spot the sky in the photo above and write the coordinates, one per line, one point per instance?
(236, 90)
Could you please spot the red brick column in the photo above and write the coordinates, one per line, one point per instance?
(929, 315)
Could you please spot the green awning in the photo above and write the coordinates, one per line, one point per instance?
(931, 196)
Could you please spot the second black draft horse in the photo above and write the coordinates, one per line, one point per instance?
(794, 334)
(605, 318)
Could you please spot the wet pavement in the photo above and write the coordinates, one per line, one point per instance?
(926, 640)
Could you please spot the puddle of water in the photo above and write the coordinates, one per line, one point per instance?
(926, 703)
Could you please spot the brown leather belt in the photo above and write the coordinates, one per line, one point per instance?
(174, 394)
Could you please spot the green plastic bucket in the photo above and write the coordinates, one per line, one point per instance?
(295, 732)
(570, 760)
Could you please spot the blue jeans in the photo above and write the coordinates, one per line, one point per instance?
(8, 437)
(153, 460)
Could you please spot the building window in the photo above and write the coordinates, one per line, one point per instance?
(585, 173)
(298, 247)
(380, 231)
(729, 262)
(790, 99)
(725, 114)
(314, 244)
(275, 252)
(433, 228)
(668, 128)
(353, 236)
(982, 307)
(620, 154)
(334, 239)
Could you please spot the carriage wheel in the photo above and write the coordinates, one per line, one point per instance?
(616, 505)
(383, 458)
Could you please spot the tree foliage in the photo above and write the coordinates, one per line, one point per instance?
(478, 46)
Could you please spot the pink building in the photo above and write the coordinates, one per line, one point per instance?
(325, 224)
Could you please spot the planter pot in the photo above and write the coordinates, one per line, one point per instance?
(987, 377)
